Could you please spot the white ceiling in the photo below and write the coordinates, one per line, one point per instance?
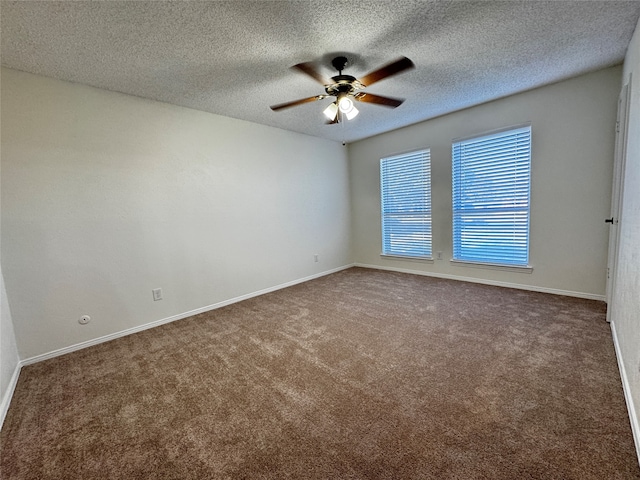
(232, 57)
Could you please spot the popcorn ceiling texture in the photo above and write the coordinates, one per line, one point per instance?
(232, 58)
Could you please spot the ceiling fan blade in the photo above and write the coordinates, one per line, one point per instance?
(399, 65)
(282, 106)
(380, 100)
(331, 122)
(310, 69)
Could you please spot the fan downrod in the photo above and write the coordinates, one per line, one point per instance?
(339, 63)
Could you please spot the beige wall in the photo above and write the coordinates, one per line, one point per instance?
(572, 158)
(625, 314)
(107, 196)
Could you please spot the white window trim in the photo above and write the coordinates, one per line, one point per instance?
(406, 257)
(493, 266)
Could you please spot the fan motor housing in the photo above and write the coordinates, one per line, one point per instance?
(344, 85)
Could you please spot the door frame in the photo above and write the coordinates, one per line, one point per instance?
(617, 191)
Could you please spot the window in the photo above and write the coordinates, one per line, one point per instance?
(491, 184)
(405, 185)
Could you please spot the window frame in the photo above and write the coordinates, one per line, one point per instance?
(517, 162)
(422, 215)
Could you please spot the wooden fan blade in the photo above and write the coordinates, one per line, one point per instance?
(400, 65)
(331, 122)
(282, 106)
(310, 69)
(385, 101)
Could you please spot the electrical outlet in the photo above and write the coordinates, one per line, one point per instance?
(439, 255)
(315, 258)
(157, 294)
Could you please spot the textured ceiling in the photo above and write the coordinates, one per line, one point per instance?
(232, 57)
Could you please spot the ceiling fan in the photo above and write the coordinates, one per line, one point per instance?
(347, 88)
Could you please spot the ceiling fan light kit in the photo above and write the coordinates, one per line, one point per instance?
(331, 111)
(346, 88)
(346, 106)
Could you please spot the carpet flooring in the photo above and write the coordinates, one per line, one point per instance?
(362, 374)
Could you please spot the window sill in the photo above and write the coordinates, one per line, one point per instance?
(493, 266)
(406, 257)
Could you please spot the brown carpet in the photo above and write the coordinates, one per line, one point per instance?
(362, 374)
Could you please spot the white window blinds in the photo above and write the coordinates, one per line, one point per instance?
(491, 185)
(405, 184)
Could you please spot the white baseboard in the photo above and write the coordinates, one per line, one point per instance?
(531, 288)
(173, 318)
(8, 395)
(633, 416)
